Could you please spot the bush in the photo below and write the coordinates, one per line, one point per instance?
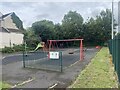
(15, 48)
(18, 48)
(7, 50)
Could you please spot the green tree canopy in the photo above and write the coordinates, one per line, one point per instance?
(44, 29)
(95, 30)
(99, 29)
(72, 24)
(31, 38)
(59, 33)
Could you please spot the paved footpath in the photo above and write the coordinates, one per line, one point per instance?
(14, 73)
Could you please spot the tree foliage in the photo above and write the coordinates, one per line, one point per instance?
(43, 29)
(31, 38)
(100, 27)
(94, 31)
(72, 25)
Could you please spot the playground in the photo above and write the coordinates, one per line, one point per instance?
(15, 74)
(40, 60)
(55, 59)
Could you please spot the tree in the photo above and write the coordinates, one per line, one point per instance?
(44, 29)
(89, 31)
(31, 38)
(72, 25)
(95, 30)
(103, 25)
(58, 31)
(99, 29)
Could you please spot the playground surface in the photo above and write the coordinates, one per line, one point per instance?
(40, 60)
(14, 73)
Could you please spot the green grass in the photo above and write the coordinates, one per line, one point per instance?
(4, 85)
(98, 74)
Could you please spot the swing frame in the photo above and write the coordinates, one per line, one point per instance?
(67, 40)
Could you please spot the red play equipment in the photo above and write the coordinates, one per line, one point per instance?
(97, 47)
(51, 43)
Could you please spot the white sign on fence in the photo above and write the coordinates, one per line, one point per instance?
(54, 55)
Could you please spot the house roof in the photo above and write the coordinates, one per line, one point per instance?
(9, 30)
(5, 29)
(15, 30)
(3, 16)
(2, 29)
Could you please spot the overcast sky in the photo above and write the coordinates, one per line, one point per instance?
(29, 12)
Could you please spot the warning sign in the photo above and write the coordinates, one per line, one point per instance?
(54, 55)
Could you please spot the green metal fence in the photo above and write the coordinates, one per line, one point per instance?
(40, 60)
(114, 48)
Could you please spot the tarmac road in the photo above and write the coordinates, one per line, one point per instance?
(13, 72)
(19, 57)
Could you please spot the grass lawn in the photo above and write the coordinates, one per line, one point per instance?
(98, 74)
(4, 85)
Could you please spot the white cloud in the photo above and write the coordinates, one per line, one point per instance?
(58, 0)
(29, 12)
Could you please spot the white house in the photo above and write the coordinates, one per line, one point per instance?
(10, 33)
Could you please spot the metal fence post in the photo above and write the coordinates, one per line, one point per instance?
(23, 59)
(61, 64)
(116, 53)
(115, 61)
